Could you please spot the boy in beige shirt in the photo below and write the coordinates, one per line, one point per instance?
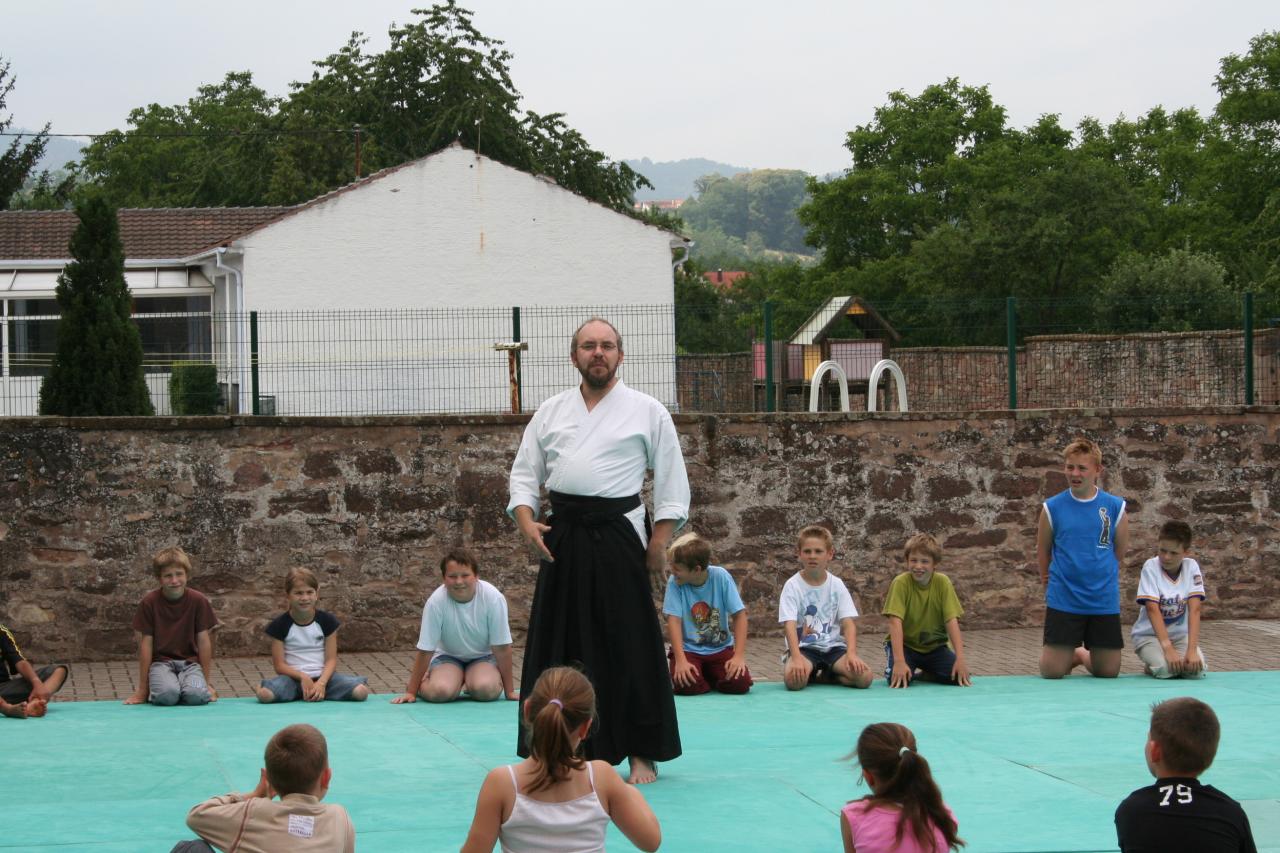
(297, 759)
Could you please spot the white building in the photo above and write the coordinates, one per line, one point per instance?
(384, 296)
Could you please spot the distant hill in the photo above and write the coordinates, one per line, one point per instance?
(675, 179)
(57, 151)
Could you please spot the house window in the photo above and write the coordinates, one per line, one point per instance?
(173, 328)
(33, 336)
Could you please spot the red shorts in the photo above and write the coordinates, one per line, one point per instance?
(709, 674)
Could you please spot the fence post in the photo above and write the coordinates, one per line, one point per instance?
(253, 363)
(1248, 349)
(515, 337)
(1011, 342)
(768, 357)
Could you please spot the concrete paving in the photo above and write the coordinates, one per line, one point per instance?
(1228, 645)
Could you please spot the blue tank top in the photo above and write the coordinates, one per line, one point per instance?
(1084, 573)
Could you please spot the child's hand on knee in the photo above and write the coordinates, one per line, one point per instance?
(684, 673)
(901, 675)
(797, 671)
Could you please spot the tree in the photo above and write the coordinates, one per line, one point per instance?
(439, 81)
(97, 369)
(18, 160)
(1179, 290)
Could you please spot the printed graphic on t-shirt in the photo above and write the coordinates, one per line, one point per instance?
(1172, 607)
(813, 628)
(707, 620)
(1104, 535)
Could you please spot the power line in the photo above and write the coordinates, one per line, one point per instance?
(190, 133)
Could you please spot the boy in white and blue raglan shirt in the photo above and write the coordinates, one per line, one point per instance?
(1167, 634)
(706, 622)
(304, 649)
(1082, 535)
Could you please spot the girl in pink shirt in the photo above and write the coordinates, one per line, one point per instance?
(904, 811)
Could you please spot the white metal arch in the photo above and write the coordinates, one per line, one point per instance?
(898, 379)
(815, 385)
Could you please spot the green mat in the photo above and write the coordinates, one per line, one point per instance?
(1027, 765)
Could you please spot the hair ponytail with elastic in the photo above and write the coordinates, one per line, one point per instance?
(903, 777)
(561, 702)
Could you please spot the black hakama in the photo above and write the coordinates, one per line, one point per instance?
(593, 609)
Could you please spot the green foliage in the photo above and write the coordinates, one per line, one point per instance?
(747, 216)
(1179, 290)
(193, 388)
(708, 321)
(441, 80)
(19, 158)
(97, 369)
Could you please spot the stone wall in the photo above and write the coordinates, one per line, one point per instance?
(370, 504)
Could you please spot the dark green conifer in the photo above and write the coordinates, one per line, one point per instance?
(97, 369)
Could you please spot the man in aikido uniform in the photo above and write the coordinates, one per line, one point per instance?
(593, 602)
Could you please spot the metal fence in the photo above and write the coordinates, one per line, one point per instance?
(970, 355)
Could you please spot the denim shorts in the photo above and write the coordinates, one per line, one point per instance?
(287, 689)
(461, 664)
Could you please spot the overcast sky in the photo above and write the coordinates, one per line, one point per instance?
(750, 83)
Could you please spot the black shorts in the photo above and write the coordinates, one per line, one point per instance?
(1080, 629)
(824, 663)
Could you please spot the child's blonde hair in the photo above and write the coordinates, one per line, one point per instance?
(816, 531)
(166, 557)
(923, 543)
(300, 576)
(691, 551)
(1084, 447)
(562, 700)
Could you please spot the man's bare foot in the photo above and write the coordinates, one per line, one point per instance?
(1081, 657)
(643, 771)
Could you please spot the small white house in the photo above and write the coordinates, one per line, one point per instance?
(385, 296)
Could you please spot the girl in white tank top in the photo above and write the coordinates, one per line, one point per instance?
(554, 800)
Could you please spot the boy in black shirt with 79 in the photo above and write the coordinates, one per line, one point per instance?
(1177, 813)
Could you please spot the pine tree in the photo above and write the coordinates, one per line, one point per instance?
(97, 369)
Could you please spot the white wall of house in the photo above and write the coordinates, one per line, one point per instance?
(452, 231)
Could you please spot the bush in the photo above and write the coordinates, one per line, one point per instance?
(193, 388)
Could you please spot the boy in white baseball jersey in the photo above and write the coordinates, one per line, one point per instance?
(1170, 591)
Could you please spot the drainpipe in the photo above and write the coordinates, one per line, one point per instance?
(235, 304)
(687, 245)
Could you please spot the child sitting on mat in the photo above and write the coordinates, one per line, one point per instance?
(1177, 812)
(554, 799)
(1170, 591)
(297, 771)
(24, 690)
(304, 649)
(924, 614)
(904, 813)
(706, 622)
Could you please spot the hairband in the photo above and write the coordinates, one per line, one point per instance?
(557, 703)
(901, 752)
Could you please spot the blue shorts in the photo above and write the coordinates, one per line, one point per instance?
(936, 663)
(461, 664)
(284, 688)
(824, 662)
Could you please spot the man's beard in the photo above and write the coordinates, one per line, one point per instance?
(597, 384)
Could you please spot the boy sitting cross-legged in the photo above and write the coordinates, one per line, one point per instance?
(297, 771)
(24, 690)
(1178, 813)
(304, 649)
(817, 613)
(175, 648)
(924, 614)
(706, 622)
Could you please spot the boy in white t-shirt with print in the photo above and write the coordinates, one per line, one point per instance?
(465, 640)
(1170, 591)
(817, 615)
(304, 649)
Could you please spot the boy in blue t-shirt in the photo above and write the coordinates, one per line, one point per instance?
(1083, 533)
(706, 622)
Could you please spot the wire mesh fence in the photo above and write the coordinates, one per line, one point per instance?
(721, 357)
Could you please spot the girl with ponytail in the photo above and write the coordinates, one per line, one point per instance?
(555, 800)
(904, 811)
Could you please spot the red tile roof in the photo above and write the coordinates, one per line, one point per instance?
(147, 233)
(724, 279)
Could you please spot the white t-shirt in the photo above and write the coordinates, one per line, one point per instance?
(466, 631)
(817, 610)
(303, 644)
(1172, 594)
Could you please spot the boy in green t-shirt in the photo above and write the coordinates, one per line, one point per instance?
(924, 615)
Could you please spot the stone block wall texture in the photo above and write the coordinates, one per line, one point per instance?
(371, 504)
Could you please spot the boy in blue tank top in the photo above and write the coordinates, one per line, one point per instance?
(1083, 533)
